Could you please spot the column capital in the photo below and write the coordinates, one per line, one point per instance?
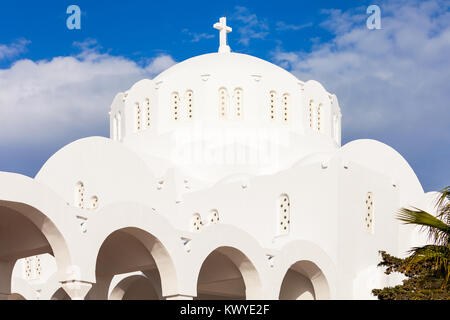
(77, 290)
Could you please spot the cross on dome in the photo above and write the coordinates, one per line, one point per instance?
(224, 30)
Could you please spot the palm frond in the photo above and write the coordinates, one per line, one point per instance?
(443, 205)
(440, 255)
(437, 229)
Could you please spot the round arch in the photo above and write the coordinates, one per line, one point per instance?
(314, 270)
(31, 209)
(135, 287)
(147, 232)
(231, 246)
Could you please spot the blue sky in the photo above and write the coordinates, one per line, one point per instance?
(56, 84)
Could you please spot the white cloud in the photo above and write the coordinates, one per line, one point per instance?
(197, 37)
(66, 96)
(392, 84)
(283, 26)
(14, 49)
(251, 27)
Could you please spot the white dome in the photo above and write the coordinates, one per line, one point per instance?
(234, 67)
(226, 113)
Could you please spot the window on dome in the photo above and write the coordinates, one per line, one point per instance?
(176, 106)
(370, 218)
(147, 112)
(138, 116)
(115, 128)
(273, 99)
(284, 214)
(119, 126)
(190, 104)
(311, 115)
(336, 128)
(238, 102)
(79, 195)
(285, 110)
(223, 103)
(319, 118)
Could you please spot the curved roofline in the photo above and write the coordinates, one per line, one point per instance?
(162, 74)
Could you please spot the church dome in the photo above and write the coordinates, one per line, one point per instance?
(231, 67)
(226, 113)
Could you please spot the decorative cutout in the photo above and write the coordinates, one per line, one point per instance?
(286, 102)
(273, 104)
(79, 195)
(94, 203)
(147, 109)
(271, 260)
(284, 214)
(190, 104)
(238, 102)
(138, 117)
(256, 77)
(223, 103)
(369, 220)
(319, 118)
(196, 223)
(214, 217)
(186, 244)
(176, 106)
(32, 268)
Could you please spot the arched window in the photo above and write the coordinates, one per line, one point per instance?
(286, 101)
(319, 118)
(238, 102)
(115, 128)
(223, 103)
(336, 128)
(79, 195)
(190, 104)
(176, 106)
(119, 126)
(273, 99)
(147, 112)
(284, 214)
(138, 117)
(370, 218)
(311, 114)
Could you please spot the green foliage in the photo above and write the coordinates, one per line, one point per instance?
(427, 269)
(424, 281)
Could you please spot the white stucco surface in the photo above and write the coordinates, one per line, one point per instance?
(224, 177)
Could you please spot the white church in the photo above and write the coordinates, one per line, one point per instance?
(224, 178)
